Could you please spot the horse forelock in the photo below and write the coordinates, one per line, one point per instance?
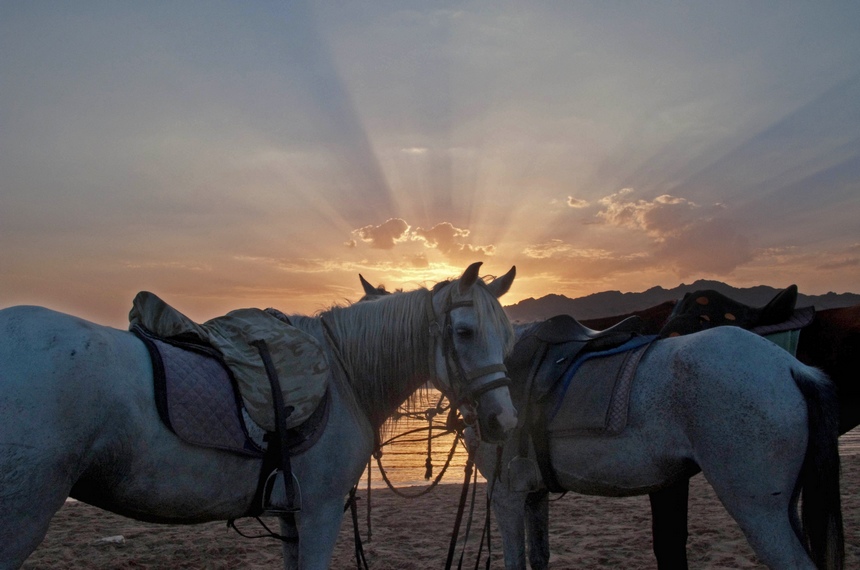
(491, 317)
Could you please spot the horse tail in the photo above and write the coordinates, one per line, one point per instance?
(822, 506)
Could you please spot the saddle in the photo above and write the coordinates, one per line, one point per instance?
(541, 357)
(298, 359)
(707, 308)
(545, 361)
(208, 376)
(778, 321)
(198, 400)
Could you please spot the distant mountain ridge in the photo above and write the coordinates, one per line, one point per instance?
(611, 303)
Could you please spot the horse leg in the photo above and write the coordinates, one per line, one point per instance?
(319, 526)
(290, 544)
(757, 484)
(31, 491)
(537, 529)
(669, 525)
(509, 508)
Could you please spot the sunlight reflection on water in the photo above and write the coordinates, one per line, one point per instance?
(404, 459)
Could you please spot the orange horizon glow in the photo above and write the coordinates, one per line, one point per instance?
(266, 155)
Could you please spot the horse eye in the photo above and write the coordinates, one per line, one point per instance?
(465, 332)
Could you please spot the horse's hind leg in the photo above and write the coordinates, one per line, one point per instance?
(29, 497)
(769, 531)
(757, 488)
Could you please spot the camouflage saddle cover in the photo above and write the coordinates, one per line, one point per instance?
(298, 359)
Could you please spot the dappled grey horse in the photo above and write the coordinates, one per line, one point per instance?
(79, 417)
(758, 424)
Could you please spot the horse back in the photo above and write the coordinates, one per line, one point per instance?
(63, 378)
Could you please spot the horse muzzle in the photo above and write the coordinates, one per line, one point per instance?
(495, 420)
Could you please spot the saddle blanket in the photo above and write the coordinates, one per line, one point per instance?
(787, 334)
(198, 400)
(301, 364)
(594, 393)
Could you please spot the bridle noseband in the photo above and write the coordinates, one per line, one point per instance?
(469, 391)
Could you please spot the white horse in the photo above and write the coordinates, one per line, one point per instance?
(757, 423)
(78, 416)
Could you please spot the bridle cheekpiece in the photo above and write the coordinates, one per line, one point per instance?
(462, 387)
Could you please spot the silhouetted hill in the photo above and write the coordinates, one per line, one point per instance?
(610, 303)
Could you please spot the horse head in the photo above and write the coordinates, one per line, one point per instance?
(471, 338)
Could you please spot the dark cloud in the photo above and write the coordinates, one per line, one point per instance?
(442, 236)
(661, 218)
(384, 236)
(448, 239)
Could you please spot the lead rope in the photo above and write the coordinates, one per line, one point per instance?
(452, 546)
(491, 486)
(369, 501)
(469, 522)
(430, 414)
(360, 560)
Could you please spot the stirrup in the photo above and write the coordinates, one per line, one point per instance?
(274, 501)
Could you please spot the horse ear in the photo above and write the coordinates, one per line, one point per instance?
(470, 277)
(368, 288)
(501, 285)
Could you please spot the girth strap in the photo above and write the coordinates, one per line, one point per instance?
(281, 414)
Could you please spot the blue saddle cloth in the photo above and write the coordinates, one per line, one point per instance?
(593, 394)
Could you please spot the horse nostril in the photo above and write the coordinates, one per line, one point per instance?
(495, 430)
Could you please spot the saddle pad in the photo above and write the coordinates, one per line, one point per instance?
(299, 360)
(596, 392)
(196, 397)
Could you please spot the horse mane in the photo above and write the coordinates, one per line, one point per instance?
(385, 344)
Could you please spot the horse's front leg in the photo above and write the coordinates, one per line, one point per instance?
(537, 529)
(318, 531)
(509, 507)
(290, 545)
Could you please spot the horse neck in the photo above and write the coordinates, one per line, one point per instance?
(384, 347)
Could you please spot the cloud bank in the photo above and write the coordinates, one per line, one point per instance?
(450, 241)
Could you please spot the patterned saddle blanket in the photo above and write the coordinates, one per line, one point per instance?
(593, 394)
(300, 362)
(198, 399)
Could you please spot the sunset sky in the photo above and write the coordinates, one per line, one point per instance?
(235, 154)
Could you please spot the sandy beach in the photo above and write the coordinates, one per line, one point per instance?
(586, 532)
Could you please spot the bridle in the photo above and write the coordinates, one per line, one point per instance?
(463, 386)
